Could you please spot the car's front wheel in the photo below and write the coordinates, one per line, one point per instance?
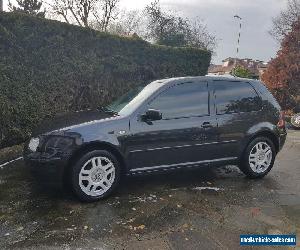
(95, 175)
(258, 158)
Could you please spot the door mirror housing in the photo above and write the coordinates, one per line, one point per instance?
(152, 115)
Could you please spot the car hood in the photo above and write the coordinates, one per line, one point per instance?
(64, 121)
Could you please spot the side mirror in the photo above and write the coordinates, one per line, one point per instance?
(152, 115)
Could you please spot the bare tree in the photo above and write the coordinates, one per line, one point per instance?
(61, 8)
(199, 36)
(84, 8)
(71, 11)
(86, 12)
(104, 13)
(159, 23)
(30, 7)
(282, 24)
(127, 23)
(153, 24)
(168, 29)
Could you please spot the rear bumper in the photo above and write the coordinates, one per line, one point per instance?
(282, 139)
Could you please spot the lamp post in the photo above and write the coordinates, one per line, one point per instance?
(238, 42)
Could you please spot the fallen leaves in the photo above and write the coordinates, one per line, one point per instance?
(185, 225)
(150, 198)
(140, 227)
(208, 188)
(255, 211)
(20, 228)
(135, 228)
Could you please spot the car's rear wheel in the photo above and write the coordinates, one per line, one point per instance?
(258, 158)
(95, 175)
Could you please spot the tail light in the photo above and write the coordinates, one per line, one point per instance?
(281, 122)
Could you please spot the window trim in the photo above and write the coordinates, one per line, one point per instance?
(234, 112)
(185, 117)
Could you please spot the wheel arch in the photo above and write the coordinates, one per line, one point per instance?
(270, 135)
(96, 145)
(264, 133)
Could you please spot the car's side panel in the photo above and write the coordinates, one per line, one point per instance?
(233, 127)
(171, 141)
(112, 133)
(168, 142)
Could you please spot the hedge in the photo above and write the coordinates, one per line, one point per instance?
(48, 67)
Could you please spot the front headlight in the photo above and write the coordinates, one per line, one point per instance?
(33, 144)
(54, 143)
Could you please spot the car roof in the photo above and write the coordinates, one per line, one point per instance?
(204, 78)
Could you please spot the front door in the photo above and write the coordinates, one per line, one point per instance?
(185, 135)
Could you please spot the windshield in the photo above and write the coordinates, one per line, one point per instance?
(129, 102)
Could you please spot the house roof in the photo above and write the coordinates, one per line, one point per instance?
(254, 66)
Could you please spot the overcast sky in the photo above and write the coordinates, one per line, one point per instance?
(257, 16)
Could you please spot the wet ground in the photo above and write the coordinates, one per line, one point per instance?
(199, 209)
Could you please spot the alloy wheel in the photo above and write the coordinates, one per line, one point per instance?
(97, 176)
(260, 157)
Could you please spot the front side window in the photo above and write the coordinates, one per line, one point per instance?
(183, 100)
(235, 97)
(130, 101)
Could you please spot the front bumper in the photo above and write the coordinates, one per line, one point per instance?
(52, 154)
(45, 168)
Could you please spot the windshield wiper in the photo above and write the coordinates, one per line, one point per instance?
(107, 110)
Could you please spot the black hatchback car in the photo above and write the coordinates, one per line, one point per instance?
(165, 125)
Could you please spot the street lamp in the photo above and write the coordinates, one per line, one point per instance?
(238, 42)
(239, 36)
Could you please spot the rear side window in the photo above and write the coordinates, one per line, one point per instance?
(183, 100)
(264, 91)
(235, 97)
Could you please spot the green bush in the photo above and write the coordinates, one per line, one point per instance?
(49, 67)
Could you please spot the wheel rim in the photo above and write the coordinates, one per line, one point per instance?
(97, 176)
(296, 120)
(260, 157)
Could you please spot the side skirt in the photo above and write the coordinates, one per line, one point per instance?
(185, 165)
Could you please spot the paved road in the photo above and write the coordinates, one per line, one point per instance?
(200, 209)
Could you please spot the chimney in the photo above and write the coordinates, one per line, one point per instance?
(1, 5)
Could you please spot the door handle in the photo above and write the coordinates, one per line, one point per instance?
(206, 125)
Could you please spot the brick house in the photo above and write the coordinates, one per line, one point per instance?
(256, 67)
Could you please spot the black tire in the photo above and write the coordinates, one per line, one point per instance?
(75, 171)
(245, 164)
